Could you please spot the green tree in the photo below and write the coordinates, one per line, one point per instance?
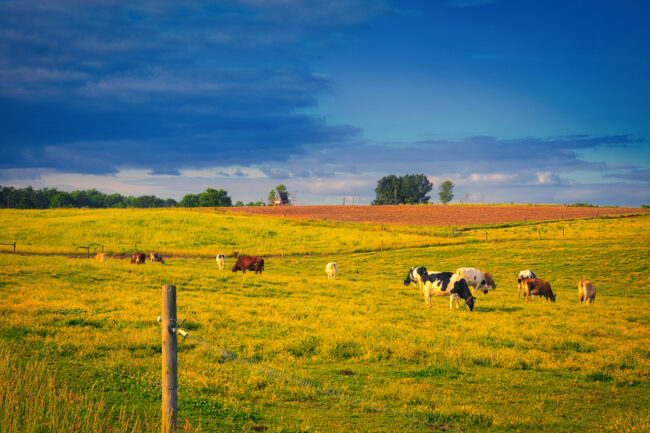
(61, 199)
(407, 189)
(387, 190)
(214, 197)
(446, 191)
(189, 200)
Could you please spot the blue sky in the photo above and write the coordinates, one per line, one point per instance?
(521, 101)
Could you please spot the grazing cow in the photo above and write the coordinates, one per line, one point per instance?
(416, 276)
(475, 278)
(534, 286)
(251, 263)
(586, 291)
(448, 283)
(156, 258)
(138, 258)
(331, 270)
(100, 257)
(522, 275)
(221, 261)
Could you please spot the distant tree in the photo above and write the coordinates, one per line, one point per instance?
(279, 188)
(407, 189)
(208, 198)
(255, 203)
(61, 199)
(214, 197)
(446, 191)
(189, 200)
(239, 203)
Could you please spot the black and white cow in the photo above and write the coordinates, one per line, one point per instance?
(417, 276)
(448, 283)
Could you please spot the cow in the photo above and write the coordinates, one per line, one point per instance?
(527, 273)
(156, 258)
(221, 261)
(586, 291)
(448, 283)
(534, 286)
(416, 276)
(331, 270)
(251, 263)
(138, 258)
(475, 278)
(100, 257)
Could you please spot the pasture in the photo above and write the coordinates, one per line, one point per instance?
(90, 329)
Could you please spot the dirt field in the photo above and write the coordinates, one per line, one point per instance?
(434, 215)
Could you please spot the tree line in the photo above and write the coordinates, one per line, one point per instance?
(52, 198)
(410, 189)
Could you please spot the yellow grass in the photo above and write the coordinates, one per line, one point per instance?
(506, 366)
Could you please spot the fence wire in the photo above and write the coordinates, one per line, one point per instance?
(229, 355)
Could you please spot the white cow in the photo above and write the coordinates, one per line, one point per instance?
(526, 273)
(331, 270)
(221, 261)
(475, 278)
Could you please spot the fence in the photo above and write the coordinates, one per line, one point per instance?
(13, 244)
(170, 329)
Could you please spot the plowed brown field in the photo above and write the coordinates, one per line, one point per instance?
(434, 215)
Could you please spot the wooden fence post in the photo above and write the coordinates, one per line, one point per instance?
(169, 360)
(14, 247)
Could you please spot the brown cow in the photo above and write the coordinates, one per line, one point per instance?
(138, 258)
(534, 286)
(252, 263)
(156, 258)
(586, 291)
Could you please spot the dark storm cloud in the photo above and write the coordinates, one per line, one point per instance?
(91, 87)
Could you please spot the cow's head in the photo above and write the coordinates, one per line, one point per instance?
(470, 303)
(408, 280)
(552, 297)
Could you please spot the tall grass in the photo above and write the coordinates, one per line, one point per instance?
(33, 400)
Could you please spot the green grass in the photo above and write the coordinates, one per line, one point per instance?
(506, 366)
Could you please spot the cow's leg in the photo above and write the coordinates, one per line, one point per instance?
(451, 301)
(427, 296)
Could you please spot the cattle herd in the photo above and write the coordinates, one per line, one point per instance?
(456, 285)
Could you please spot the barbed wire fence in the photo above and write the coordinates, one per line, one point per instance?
(229, 355)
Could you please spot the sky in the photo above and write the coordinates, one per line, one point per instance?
(513, 100)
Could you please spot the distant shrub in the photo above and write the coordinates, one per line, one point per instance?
(645, 206)
(583, 205)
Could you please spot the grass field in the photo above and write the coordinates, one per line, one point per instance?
(90, 328)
